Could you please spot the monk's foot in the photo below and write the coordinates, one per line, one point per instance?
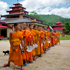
(6, 65)
(48, 48)
(22, 69)
(52, 45)
(34, 58)
(45, 49)
(30, 61)
(44, 52)
(25, 64)
(40, 55)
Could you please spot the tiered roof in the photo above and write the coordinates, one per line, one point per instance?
(17, 8)
(58, 25)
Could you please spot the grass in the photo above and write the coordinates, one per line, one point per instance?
(65, 38)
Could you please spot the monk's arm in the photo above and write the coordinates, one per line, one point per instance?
(31, 41)
(10, 38)
(22, 43)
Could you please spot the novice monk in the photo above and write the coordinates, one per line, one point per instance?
(37, 50)
(41, 40)
(58, 37)
(52, 38)
(27, 38)
(33, 34)
(35, 39)
(15, 55)
(24, 55)
(48, 37)
(44, 40)
(46, 44)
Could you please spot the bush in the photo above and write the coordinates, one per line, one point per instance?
(66, 31)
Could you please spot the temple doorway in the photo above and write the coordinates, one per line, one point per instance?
(3, 32)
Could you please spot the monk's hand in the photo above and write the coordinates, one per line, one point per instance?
(13, 48)
(31, 44)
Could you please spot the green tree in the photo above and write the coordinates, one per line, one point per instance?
(34, 14)
(67, 26)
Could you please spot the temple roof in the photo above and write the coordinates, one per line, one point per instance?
(59, 28)
(5, 27)
(58, 25)
(24, 15)
(17, 7)
(2, 21)
(17, 4)
(17, 10)
(21, 20)
(16, 20)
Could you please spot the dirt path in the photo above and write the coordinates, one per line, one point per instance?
(57, 58)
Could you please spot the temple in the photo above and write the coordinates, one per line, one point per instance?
(59, 27)
(17, 14)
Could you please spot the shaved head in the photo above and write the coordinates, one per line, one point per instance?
(24, 25)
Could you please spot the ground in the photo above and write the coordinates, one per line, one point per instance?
(57, 58)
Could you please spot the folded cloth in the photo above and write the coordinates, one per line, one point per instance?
(36, 45)
(41, 44)
(29, 48)
(48, 41)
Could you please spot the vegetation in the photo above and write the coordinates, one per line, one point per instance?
(34, 14)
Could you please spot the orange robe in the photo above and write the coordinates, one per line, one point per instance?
(58, 37)
(37, 50)
(15, 56)
(48, 34)
(33, 32)
(40, 40)
(28, 39)
(46, 43)
(27, 34)
(23, 55)
(52, 38)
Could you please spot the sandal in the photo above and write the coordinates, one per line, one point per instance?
(25, 64)
(22, 69)
(6, 65)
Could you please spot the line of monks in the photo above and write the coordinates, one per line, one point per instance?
(29, 43)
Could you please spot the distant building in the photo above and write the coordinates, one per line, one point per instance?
(59, 27)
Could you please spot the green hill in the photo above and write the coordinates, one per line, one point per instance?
(51, 19)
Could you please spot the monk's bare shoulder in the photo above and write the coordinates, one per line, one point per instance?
(12, 32)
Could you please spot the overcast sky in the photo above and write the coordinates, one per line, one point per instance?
(57, 7)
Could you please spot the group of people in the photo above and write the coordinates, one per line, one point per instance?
(30, 42)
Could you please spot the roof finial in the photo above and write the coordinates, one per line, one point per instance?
(17, 1)
(58, 18)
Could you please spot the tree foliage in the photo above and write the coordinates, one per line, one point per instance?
(67, 26)
(34, 14)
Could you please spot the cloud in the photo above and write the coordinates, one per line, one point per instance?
(3, 7)
(45, 7)
(36, 4)
(64, 12)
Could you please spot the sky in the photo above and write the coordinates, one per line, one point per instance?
(56, 7)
